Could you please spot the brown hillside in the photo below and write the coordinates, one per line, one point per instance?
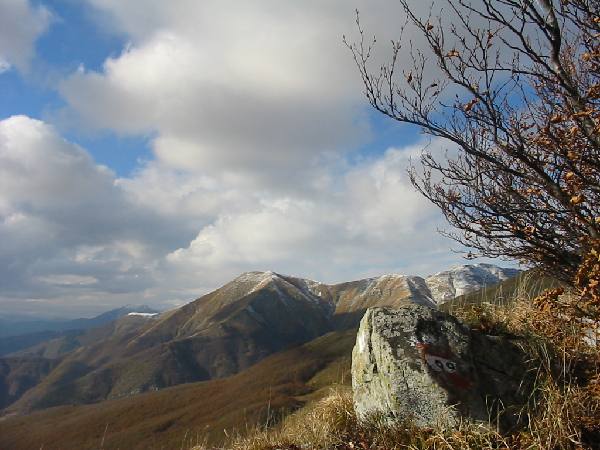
(215, 336)
(179, 416)
(17, 375)
(221, 333)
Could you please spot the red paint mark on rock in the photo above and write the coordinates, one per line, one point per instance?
(444, 366)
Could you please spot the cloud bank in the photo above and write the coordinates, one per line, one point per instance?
(20, 25)
(76, 238)
(257, 114)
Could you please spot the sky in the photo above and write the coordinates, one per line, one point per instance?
(151, 151)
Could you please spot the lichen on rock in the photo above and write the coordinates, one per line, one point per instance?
(420, 364)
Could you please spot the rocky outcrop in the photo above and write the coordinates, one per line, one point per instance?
(422, 364)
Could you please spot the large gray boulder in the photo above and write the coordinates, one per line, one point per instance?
(424, 365)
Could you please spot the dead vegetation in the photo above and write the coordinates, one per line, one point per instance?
(524, 186)
(559, 331)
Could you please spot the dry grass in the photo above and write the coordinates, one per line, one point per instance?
(332, 424)
(564, 412)
(186, 415)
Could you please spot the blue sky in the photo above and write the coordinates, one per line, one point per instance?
(78, 36)
(75, 37)
(152, 150)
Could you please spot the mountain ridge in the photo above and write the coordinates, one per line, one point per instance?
(21, 327)
(224, 332)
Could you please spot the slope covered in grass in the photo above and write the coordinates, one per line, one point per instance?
(563, 412)
(185, 414)
(526, 285)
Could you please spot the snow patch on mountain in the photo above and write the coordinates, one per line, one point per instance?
(430, 291)
(143, 314)
(461, 280)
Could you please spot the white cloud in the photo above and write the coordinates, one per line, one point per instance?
(372, 222)
(254, 108)
(62, 215)
(257, 89)
(77, 238)
(21, 24)
(68, 280)
(4, 65)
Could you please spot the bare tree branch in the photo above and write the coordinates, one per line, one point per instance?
(525, 116)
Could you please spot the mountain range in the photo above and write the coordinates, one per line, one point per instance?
(16, 335)
(218, 335)
(19, 327)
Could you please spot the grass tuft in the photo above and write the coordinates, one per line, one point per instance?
(558, 331)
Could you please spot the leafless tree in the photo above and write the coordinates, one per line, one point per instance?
(517, 91)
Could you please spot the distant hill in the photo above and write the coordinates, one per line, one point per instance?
(17, 336)
(22, 327)
(223, 332)
(68, 341)
(224, 338)
(11, 344)
(180, 416)
(18, 375)
(215, 336)
(462, 280)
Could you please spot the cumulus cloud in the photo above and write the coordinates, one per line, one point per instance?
(371, 222)
(263, 89)
(76, 238)
(4, 65)
(63, 218)
(254, 109)
(21, 23)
